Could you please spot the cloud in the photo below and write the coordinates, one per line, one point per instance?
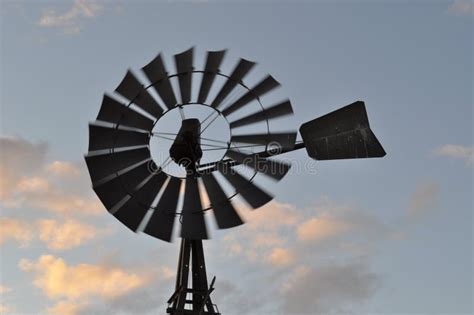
(341, 229)
(71, 21)
(281, 257)
(67, 235)
(260, 235)
(423, 198)
(18, 158)
(149, 298)
(267, 240)
(66, 308)
(269, 251)
(461, 7)
(13, 229)
(456, 151)
(321, 228)
(327, 289)
(40, 193)
(33, 185)
(61, 168)
(4, 309)
(73, 285)
(4, 289)
(281, 214)
(26, 180)
(60, 202)
(55, 234)
(234, 300)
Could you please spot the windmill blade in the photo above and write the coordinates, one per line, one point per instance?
(184, 67)
(158, 76)
(263, 87)
(213, 61)
(134, 210)
(284, 140)
(115, 112)
(239, 72)
(106, 138)
(253, 195)
(132, 89)
(114, 190)
(162, 220)
(279, 110)
(342, 134)
(225, 213)
(194, 226)
(103, 165)
(274, 169)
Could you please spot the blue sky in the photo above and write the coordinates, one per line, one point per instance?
(379, 236)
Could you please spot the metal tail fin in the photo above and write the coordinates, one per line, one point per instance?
(342, 134)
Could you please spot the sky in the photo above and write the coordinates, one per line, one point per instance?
(374, 236)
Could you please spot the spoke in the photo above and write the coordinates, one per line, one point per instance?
(162, 137)
(159, 134)
(212, 140)
(181, 112)
(208, 124)
(212, 145)
(208, 116)
(236, 147)
(215, 149)
(165, 162)
(164, 133)
(202, 144)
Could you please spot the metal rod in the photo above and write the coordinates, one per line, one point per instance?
(235, 147)
(263, 154)
(181, 112)
(213, 119)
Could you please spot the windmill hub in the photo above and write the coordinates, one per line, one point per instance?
(213, 137)
(186, 148)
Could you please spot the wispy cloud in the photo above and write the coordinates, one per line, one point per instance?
(13, 229)
(61, 168)
(456, 151)
(329, 288)
(293, 244)
(423, 198)
(72, 20)
(19, 158)
(28, 181)
(4, 289)
(4, 308)
(461, 7)
(281, 257)
(260, 240)
(66, 307)
(56, 235)
(67, 235)
(325, 226)
(71, 286)
(321, 228)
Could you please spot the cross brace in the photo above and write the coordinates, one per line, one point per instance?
(195, 300)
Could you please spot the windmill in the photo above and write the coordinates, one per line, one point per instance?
(142, 191)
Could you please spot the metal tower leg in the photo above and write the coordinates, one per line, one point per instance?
(191, 254)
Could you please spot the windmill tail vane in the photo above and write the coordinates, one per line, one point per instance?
(153, 195)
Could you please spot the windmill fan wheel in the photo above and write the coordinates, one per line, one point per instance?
(140, 191)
